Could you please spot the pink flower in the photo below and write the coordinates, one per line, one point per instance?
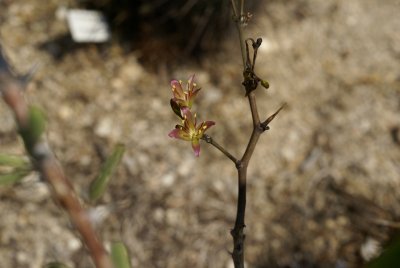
(188, 131)
(181, 97)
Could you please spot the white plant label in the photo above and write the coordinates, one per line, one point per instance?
(87, 26)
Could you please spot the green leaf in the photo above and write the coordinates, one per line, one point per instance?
(99, 185)
(13, 161)
(390, 256)
(56, 265)
(119, 255)
(34, 129)
(13, 177)
(176, 108)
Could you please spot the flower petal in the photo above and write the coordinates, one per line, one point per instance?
(177, 90)
(191, 83)
(178, 133)
(196, 147)
(191, 96)
(189, 119)
(208, 124)
(203, 127)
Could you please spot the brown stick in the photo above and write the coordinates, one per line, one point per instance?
(50, 170)
(258, 128)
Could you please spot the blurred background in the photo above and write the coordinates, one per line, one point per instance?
(322, 184)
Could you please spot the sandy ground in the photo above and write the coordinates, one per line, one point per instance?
(323, 182)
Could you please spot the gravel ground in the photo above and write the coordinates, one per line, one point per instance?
(322, 183)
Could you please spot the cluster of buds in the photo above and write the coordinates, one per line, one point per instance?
(181, 104)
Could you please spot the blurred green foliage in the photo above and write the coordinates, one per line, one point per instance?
(390, 257)
(56, 265)
(99, 185)
(13, 177)
(119, 255)
(13, 161)
(34, 129)
(20, 168)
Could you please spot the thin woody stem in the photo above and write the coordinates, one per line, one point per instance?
(50, 170)
(211, 141)
(234, 9)
(258, 128)
(237, 19)
(242, 46)
(253, 107)
(238, 230)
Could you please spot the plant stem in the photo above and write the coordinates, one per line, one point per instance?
(236, 18)
(47, 165)
(241, 8)
(238, 230)
(234, 9)
(258, 128)
(211, 141)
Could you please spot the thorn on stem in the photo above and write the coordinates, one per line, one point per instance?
(264, 125)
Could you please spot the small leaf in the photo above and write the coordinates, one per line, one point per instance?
(176, 108)
(99, 185)
(13, 177)
(34, 129)
(119, 255)
(265, 84)
(13, 161)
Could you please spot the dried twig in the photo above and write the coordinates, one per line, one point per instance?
(250, 83)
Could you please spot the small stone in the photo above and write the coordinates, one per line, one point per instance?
(74, 244)
(168, 179)
(158, 215)
(98, 214)
(104, 128)
(65, 112)
(22, 257)
(370, 249)
(107, 129)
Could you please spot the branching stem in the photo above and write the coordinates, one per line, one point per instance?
(250, 83)
(211, 141)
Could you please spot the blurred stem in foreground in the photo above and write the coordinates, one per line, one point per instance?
(31, 124)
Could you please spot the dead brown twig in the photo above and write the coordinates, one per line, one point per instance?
(250, 83)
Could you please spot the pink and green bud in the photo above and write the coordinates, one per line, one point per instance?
(184, 98)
